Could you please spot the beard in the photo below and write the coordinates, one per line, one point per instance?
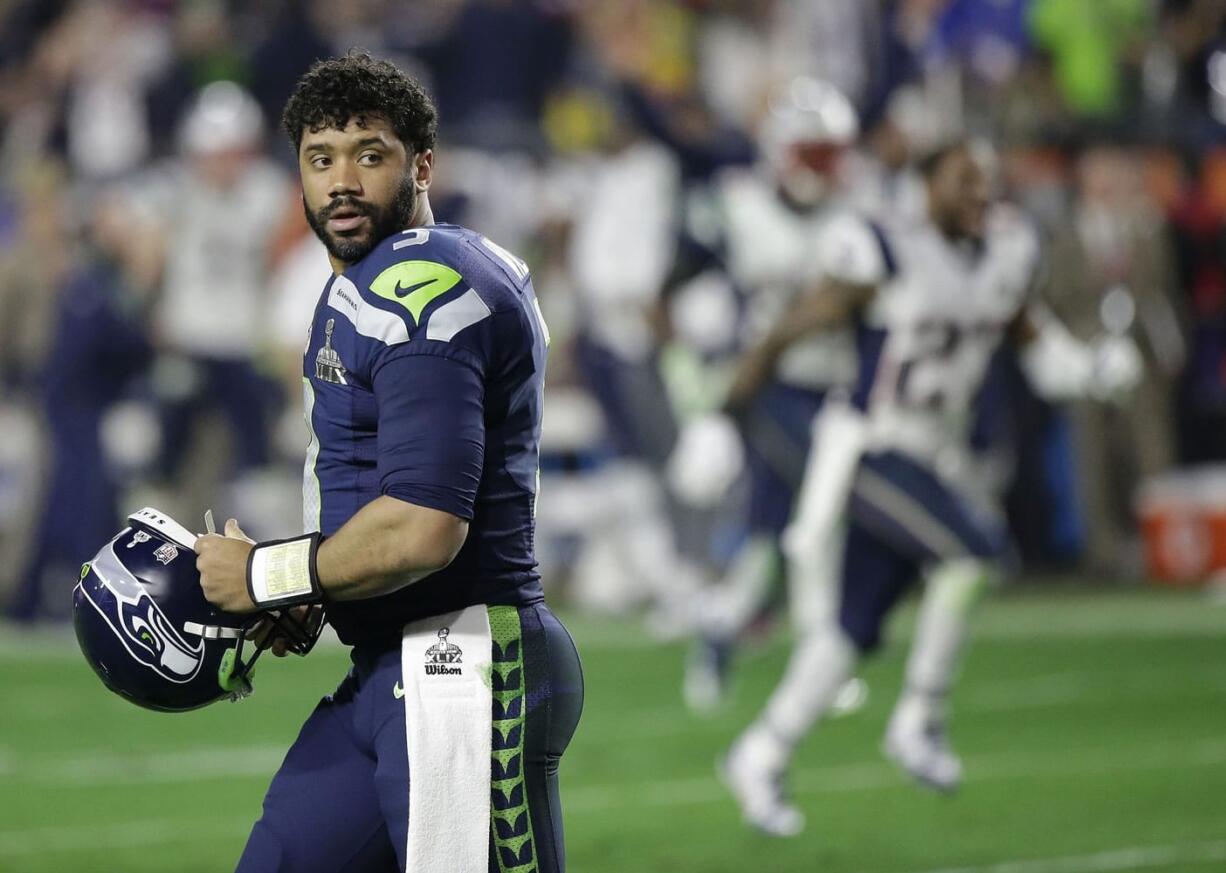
(382, 222)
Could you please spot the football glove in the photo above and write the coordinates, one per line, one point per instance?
(707, 460)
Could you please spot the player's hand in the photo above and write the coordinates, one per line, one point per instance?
(1118, 368)
(707, 459)
(222, 562)
(268, 635)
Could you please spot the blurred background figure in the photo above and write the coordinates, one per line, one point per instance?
(96, 345)
(619, 251)
(35, 263)
(760, 233)
(1111, 270)
(218, 208)
(592, 137)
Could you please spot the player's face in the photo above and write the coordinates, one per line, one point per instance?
(359, 185)
(960, 193)
(809, 172)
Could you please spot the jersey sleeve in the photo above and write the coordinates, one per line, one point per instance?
(431, 393)
(854, 250)
(431, 428)
(1025, 250)
(433, 349)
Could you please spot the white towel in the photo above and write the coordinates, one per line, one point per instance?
(448, 704)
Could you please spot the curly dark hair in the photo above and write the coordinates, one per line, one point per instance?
(335, 91)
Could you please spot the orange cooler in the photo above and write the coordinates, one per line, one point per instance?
(1182, 515)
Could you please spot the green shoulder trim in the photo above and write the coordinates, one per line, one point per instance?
(413, 284)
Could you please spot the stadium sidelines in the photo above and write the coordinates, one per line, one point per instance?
(839, 778)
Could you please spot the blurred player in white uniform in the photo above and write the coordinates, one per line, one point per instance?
(880, 178)
(218, 208)
(768, 221)
(881, 504)
(623, 206)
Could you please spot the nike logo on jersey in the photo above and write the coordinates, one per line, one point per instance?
(405, 292)
(398, 691)
(413, 284)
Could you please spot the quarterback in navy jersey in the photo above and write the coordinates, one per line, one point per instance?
(423, 382)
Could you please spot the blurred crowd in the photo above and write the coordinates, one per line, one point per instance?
(157, 275)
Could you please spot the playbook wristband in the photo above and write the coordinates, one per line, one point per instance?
(283, 572)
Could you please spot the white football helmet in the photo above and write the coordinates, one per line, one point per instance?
(223, 117)
(808, 125)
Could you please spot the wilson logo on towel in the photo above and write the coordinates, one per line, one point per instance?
(442, 657)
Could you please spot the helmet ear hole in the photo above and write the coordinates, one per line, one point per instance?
(145, 627)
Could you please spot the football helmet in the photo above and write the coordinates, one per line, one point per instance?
(223, 117)
(808, 126)
(147, 630)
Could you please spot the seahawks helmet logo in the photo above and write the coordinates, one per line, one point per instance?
(157, 645)
(139, 623)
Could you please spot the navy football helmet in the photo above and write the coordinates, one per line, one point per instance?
(146, 629)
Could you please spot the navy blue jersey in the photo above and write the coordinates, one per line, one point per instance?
(423, 375)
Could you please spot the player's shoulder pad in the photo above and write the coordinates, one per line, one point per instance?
(854, 249)
(429, 282)
(745, 199)
(1013, 235)
(1008, 220)
(736, 184)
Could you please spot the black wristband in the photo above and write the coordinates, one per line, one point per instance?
(283, 572)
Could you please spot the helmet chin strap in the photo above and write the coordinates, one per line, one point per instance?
(299, 635)
(234, 676)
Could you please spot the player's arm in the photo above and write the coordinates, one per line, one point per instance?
(431, 444)
(388, 544)
(1059, 366)
(830, 305)
(709, 454)
(692, 258)
(854, 259)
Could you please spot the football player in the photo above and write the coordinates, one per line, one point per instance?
(769, 218)
(881, 504)
(423, 380)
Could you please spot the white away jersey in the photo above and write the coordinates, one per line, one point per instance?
(929, 335)
(777, 254)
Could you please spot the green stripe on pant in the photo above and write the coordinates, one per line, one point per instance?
(509, 819)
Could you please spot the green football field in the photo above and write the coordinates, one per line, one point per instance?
(1093, 727)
